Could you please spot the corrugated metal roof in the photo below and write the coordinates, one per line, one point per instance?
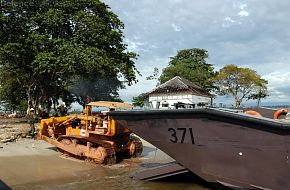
(179, 84)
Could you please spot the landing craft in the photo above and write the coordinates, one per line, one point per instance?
(225, 148)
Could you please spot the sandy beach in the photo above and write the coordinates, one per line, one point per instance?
(35, 164)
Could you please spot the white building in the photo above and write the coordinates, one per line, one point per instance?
(178, 93)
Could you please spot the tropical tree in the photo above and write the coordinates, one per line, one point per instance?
(240, 83)
(139, 100)
(190, 64)
(260, 92)
(47, 46)
(154, 75)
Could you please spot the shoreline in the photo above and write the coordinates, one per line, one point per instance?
(29, 163)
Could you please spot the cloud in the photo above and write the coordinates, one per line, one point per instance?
(228, 21)
(176, 28)
(279, 85)
(243, 13)
(133, 46)
(250, 34)
(239, 5)
(146, 67)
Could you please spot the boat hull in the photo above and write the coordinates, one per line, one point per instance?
(220, 147)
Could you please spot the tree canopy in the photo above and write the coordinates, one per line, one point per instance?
(139, 100)
(241, 83)
(49, 50)
(190, 64)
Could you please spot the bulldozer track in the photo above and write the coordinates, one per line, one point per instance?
(138, 146)
(105, 150)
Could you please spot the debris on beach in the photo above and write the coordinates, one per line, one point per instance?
(12, 129)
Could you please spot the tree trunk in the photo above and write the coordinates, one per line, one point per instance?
(237, 102)
(259, 102)
(29, 102)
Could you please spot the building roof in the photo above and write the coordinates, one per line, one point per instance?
(179, 84)
(108, 104)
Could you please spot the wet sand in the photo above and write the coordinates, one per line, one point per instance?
(30, 164)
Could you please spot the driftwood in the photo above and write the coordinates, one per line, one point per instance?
(8, 140)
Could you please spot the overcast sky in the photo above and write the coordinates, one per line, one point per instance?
(253, 33)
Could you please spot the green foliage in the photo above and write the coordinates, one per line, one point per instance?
(139, 100)
(46, 46)
(96, 88)
(191, 65)
(12, 94)
(241, 83)
(155, 74)
(260, 92)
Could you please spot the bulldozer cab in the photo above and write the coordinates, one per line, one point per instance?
(111, 106)
(99, 122)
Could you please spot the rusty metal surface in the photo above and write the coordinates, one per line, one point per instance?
(237, 149)
(96, 154)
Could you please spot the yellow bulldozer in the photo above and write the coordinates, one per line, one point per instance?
(92, 135)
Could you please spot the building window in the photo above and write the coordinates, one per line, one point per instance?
(165, 104)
